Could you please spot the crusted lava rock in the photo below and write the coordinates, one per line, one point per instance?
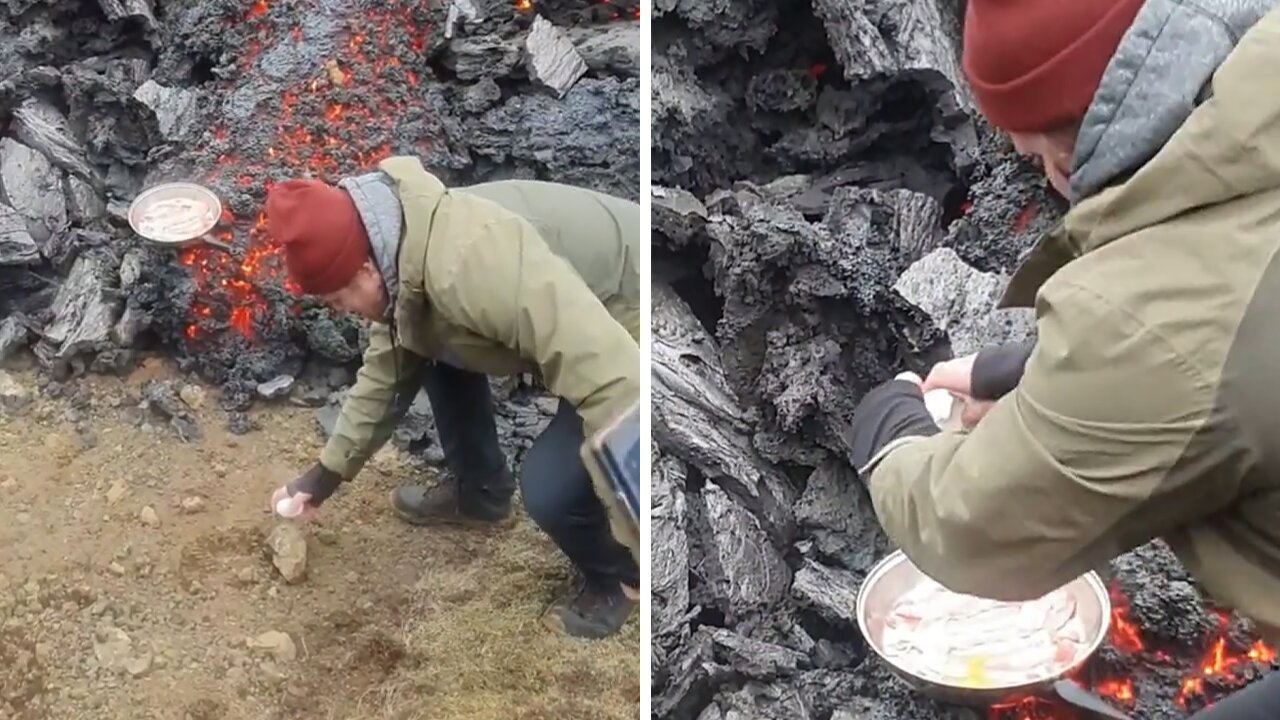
(101, 99)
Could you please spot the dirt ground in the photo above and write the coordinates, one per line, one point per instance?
(135, 583)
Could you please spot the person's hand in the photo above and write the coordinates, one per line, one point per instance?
(293, 505)
(953, 375)
(303, 497)
(971, 411)
(890, 412)
(956, 377)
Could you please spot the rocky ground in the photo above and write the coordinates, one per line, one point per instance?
(139, 580)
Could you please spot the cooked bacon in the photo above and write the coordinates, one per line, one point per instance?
(174, 219)
(964, 640)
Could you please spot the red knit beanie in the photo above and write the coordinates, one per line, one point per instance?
(324, 241)
(1035, 65)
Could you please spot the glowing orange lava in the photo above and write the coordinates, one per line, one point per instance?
(526, 6)
(1124, 635)
(334, 123)
(1219, 662)
(634, 14)
(1025, 216)
(1260, 652)
(324, 128)
(1029, 708)
(1120, 690)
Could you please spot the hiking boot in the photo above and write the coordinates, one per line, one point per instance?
(595, 610)
(442, 504)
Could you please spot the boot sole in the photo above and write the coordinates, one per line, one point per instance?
(555, 624)
(454, 521)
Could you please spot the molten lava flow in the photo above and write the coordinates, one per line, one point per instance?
(526, 7)
(1124, 635)
(1220, 663)
(1119, 690)
(332, 124)
(1219, 666)
(633, 14)
(1029, 708)
(1025, 216)
(1260, 652)
(340, 121)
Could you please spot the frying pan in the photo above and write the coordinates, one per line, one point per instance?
(895, 575)
(194, 229)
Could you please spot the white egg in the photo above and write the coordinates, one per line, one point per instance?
(940, 404)
(288, 507)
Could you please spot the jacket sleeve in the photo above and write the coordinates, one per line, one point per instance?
(1109, 440)
(370, 412)
(998, 369)
(507, 285)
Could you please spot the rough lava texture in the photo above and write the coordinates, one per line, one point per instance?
(827, 212)
(102, 99)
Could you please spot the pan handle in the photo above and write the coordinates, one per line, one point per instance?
(1082, 699)
(216, 243)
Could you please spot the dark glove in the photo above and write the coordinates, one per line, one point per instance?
(997, 370)
(891, 411)
(319, 481)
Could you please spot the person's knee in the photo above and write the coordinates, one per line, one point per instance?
(552, 490)
(550, 494)
(552, 477)
(550, 483)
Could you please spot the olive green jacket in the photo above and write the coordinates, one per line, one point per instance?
(1150, 407)
(501, 278)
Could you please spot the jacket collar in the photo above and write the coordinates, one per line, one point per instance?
(1049, 254)
(380, 211)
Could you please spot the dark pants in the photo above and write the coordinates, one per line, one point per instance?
(1259, 701)
(554, 484)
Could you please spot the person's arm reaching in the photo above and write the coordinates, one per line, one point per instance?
(1109, 439)
(384, 389)
(507, 285)
(371, 412)
(979, 379)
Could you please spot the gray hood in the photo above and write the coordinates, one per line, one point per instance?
(1156, 78)
(383, 217)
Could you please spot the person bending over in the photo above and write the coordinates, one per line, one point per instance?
(462, 284)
